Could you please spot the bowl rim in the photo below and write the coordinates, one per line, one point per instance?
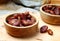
(23, 26)
(49, 13)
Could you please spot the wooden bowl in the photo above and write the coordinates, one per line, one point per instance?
(26, 31)
(49, 18)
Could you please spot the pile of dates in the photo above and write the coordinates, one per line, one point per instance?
(20, 19)
(52, 9)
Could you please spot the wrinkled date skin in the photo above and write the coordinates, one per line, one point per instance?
(43, 29)
(52, 9)
(14, 22)
(21, 19)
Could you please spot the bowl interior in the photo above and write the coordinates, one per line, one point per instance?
(48, 13)
(24, 26)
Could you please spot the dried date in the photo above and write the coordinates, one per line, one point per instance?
(43, 29)
(21, 19)
(52, 9)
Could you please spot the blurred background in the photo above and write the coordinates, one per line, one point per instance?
(35, 4)
(7, 6)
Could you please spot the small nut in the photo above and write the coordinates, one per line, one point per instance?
(50, 32)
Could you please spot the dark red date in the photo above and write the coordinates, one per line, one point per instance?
(43, 29)
(21, 19)
(52, 9)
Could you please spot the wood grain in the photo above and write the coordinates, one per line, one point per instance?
(55, 2)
